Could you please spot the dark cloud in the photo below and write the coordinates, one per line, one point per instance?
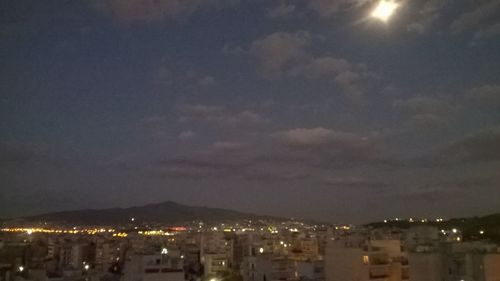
(428, 13)
(220, 116)
(285, 54)
(478, 147)
(279, 51)
(282, 10)
(195, 168)
(355, 182)
(326, 8)
(427, 112)
(320, 137)
(229, 145)
(486, 11)
(229, 161)
(485, 95)
(488, 32)
(21, 152)
(326, 149)
(424, 105)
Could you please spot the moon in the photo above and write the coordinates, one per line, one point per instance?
(384, 10)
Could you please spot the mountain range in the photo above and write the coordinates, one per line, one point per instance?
(159, 213)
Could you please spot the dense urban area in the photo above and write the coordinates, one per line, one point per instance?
(249, 250)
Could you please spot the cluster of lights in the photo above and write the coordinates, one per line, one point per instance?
(155, 233)
(120, 234)
(30, 231)
(344, 227)
(412, 220)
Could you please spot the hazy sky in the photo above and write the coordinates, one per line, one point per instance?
(309, 109)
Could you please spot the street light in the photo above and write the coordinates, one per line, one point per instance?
(21, 268)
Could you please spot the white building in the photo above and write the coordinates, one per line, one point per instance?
(153, 268)
(374, 260)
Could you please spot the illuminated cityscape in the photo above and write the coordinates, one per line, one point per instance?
(249, 140)
(398, 249)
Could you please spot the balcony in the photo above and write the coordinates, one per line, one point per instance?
(379, 272)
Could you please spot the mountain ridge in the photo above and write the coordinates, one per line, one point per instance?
(167, 212)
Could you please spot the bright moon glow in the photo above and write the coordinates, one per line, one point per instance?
(384, 10)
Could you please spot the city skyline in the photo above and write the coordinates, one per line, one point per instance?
(332, 110)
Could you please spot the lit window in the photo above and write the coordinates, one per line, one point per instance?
(366, 259)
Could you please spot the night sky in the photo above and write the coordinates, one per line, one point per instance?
(306, 109)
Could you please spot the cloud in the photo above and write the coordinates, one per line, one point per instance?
(424, 105)
(196, 168)
(426, 112)
(228, 145)
(277, 51)
(488, 32)
(428, 13)
(284, 54)
(327, 8)
(283, 10)
(154, 11)
(187, 135)
(327, 148)
(482, 146)
(348, 76)
(487, 95)
(325, 67)
(488, 10)
(318, 137)
(220, 116)
(354, 182)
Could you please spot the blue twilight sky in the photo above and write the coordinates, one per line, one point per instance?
(311, 109)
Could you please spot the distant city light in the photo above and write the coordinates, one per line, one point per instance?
(385, 221)
(261, 250)
(481, 232)
(454, 230)
(164, 251)
(21, 268)
(86, 267)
